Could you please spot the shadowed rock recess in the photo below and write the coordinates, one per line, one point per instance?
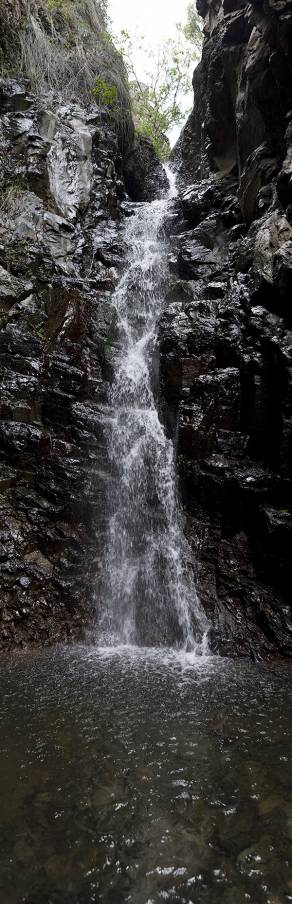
(62, 200)
(226, 379)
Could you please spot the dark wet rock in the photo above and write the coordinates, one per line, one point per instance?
(225, 339)
(203, 198)
(255, 190)
(62, 201)
(60, 251)
(282, 276)
(145, 178)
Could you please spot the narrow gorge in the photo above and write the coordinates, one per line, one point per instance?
(67, 170)
(145, 480)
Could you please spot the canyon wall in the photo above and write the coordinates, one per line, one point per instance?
(226, 380)
(65, 157)
(68, 167)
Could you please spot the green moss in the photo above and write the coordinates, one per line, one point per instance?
(63, 7)
(105, 94)
(40, 330)
(56, 4)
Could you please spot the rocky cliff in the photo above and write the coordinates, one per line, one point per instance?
(64, 153)
(226, 379)
(68, 159)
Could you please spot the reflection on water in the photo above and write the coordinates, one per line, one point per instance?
(144, 777)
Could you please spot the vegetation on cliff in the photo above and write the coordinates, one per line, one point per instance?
(60, 45)
(158, 97)
(66, 50)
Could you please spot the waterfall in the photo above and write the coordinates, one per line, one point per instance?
(149, 595)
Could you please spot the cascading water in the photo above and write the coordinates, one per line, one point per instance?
(149, 593)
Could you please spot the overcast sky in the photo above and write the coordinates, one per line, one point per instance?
(156, 21)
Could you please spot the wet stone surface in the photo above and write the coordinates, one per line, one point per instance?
(134, 776)
(62, 205)
(225, 333)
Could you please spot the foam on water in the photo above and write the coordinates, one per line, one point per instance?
(180, 659)
(149, 593)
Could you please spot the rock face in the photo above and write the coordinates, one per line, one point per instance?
(61, 205)
(144, 176)
(225, 340)
(62, 201)
(226, 378)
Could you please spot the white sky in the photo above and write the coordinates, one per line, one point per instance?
(156, 21)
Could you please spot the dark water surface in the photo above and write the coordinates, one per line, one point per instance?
(144, 777)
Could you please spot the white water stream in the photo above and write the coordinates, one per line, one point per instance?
(149, 589)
